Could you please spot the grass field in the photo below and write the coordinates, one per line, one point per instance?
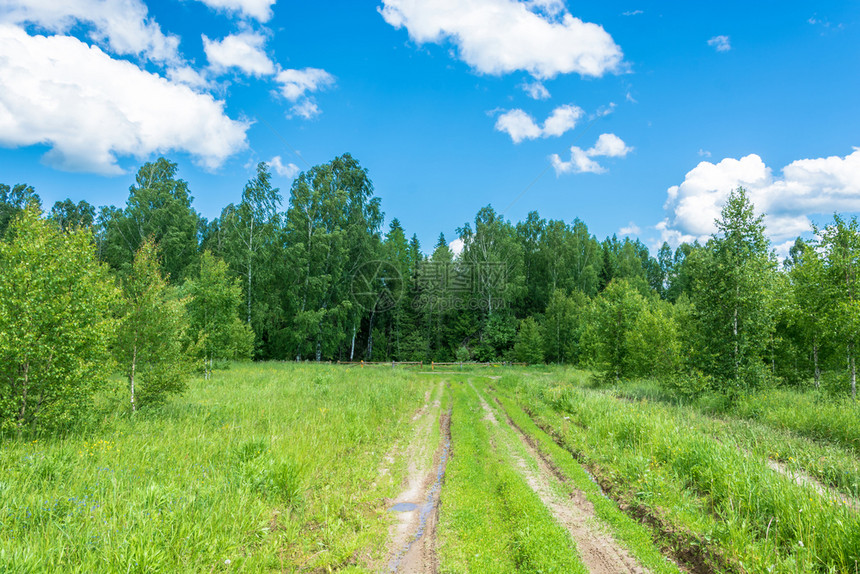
(296, 468)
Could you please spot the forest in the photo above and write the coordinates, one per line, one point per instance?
(159, 290)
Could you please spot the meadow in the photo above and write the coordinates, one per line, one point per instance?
(284, 467)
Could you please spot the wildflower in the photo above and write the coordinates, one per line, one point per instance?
(227, 562)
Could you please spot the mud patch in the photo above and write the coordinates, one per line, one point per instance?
(412, 540)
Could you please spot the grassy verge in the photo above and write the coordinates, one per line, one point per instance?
(635, 537)
(800, 430)
(754, 518)
(267, 467)
(490, 520)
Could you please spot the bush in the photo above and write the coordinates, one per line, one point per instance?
(55, 325)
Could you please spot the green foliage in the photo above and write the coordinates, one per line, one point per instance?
(158, 207)
(530, 344)
(248, 240)
(216, 333)
(148, 346)
(612, 321)
(13, 201)
(732, 289)
(70, 215)
(55, 325)
(463, 355)
(563, 325)
(332, 230)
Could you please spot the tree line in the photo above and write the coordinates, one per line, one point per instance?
(160, 290)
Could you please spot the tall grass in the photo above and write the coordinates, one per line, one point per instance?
(763, 519)
(266, 467)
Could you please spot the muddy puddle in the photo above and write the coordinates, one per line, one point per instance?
(417, 553)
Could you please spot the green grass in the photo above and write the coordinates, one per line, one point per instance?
(491, 521)
(769, 425)
(752, 516)
(635, 537)
(271, 467)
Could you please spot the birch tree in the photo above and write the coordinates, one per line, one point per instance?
(732, 280)
(55, 324)
(148, 346)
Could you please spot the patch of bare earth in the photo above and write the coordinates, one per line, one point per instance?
(599, 551)
(806, 480)
(412, 539)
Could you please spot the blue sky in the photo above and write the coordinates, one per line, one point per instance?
(641, 119)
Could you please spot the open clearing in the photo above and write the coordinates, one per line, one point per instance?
(315, 468)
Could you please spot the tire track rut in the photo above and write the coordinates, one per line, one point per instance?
(599, 551)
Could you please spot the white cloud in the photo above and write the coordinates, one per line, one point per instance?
(806, 187)
(521, 126)
(289, 171)
(123, 26)
(582, 161)
(258, 9)
(609, 145)
(579, 162)
(244, 51)
(535, 90)
(503, 36)
(720, 43)
(604, 111)
(457, 246)
(631, 229)
(89, 108)
(632, 13)
(306, 109)
(704, 153)
(296, 85)
(562, 119)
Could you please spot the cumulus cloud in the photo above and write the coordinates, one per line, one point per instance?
(289, 170)
(297, 85)
(89, 108)
(502, 36)
(257, 9)
(457, 246)
(631, 229)
(561, 120)
(806, 187)
(535, 90)
(582, 161)
(123, 26)
(720, 43)
(244, 51)
(521, 126)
